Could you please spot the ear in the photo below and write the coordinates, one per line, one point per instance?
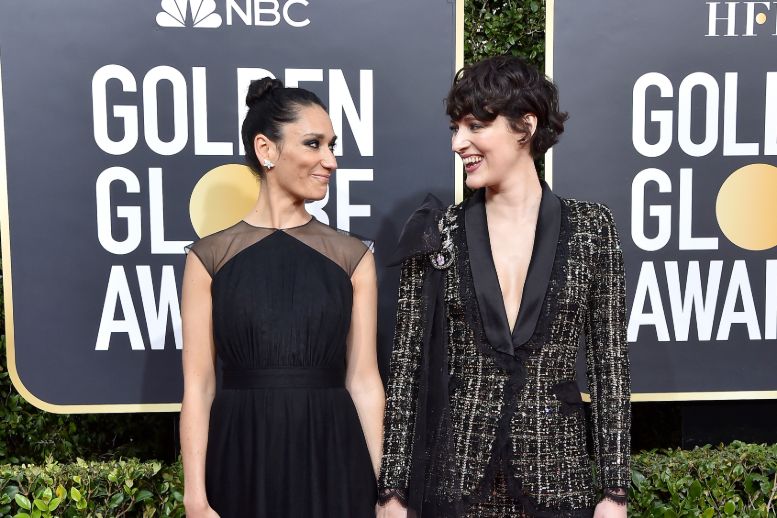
(264, 148)
(530, 120)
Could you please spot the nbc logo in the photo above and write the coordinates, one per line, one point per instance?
(175, 12)
(268, 13)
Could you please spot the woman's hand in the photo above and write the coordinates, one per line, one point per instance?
(609, 509)
(391, 509)
(201, 510)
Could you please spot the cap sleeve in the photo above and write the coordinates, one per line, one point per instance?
(355, 249)
(205, 251)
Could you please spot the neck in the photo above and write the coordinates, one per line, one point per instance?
(276, 208)
(518, 195)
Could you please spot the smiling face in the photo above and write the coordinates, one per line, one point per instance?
(491, 151)
(304, 158)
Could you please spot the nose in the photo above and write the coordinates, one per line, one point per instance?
(329, 161)
(459, 142)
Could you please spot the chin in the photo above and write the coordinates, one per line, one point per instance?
(474, 182)
(316, 194)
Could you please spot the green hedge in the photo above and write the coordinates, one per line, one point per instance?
(515, 27)
(95, 489)
(738, 480)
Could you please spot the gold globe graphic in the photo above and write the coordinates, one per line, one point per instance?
(222, 197)
(746, 207)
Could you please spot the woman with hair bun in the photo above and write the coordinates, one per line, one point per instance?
(286, 307)
(484, 416)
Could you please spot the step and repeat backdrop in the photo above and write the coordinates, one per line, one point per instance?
(673, 124)
(120, 144)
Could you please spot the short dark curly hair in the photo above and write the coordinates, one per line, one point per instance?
(508, 86)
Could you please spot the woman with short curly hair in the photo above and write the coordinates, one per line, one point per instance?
(484, 416)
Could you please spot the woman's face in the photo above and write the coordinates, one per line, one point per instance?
(491, 151)
(304, 160)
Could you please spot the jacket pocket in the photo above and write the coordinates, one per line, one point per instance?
(568, 393)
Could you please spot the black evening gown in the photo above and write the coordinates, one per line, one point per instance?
(285, 439)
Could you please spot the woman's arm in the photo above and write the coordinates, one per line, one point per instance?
(402, 394)
(608, 364)
(199, 380)
(362, 378)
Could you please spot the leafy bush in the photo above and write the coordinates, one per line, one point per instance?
(98, 489)
(736, 480)
(515, 27)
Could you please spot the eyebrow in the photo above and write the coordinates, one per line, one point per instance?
(466, 118)
(319, 136)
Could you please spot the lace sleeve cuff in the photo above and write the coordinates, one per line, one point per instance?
(617, 495)
(387, 495)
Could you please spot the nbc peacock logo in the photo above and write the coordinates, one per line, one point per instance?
(196, 13)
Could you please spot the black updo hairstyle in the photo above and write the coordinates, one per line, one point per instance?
(270, 106)
(508, 86)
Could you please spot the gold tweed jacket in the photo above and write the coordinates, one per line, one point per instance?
(467, 398)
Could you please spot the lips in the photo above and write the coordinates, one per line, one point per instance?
(323, 178)
(471, 162)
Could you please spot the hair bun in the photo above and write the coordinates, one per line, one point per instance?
(259, 88)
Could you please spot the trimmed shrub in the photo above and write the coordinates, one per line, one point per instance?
(735, 480)
(95, 489)
(738, 480)
(515, 27)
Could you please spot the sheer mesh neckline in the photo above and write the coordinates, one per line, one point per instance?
(220, 248)
(278, 228)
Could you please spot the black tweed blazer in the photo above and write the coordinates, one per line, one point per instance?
(467, 398)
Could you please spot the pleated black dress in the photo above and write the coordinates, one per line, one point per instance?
(285, 439)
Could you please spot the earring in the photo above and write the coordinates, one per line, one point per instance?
(268, 164)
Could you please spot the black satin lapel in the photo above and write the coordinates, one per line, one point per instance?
(487, 290)
(540, 266)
